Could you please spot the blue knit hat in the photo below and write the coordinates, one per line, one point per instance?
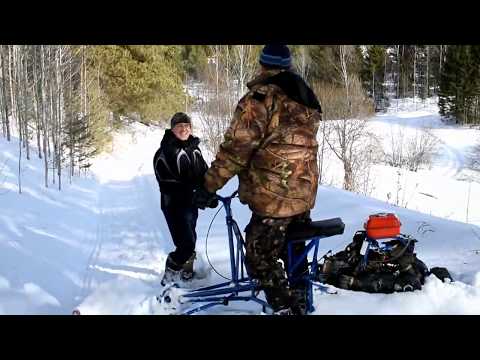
(276, 56)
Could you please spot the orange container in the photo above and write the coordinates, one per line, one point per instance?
(382, 225)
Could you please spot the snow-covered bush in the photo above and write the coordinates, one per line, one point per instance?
(410, 151)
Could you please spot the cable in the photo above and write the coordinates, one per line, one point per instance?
(206, 245)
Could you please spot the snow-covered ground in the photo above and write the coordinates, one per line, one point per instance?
(446, 188)
(100, 244)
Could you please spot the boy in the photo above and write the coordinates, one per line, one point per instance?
(179, 169)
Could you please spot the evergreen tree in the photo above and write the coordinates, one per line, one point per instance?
(324, 62)
(373, 73)
(140, 81)
(194, 59)
(460, 84)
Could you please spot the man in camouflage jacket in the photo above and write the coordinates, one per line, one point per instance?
(271, 145)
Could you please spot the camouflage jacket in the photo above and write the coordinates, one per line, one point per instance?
(271, 145)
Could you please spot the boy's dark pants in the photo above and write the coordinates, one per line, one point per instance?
(181, 218)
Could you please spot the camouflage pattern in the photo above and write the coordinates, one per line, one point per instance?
(265, 247)
(271, 145)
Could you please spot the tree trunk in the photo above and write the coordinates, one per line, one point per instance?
(70, 117)
(18, 113)
(217, 60)
(373, 87)
(348, 176)
(86, 117)
(347, 184)
(3, 112)
(241, 56)
(229, 82)
(12, 98)
(385, 73)
(398, 74)
(4, 92)
(18, 92)
(44, 115)
(53, 128)
(25, 98)
(186, 92)
(35, 101)
(441, 59)
(303, 59)
(60, 117)
(404, 77)
(2, 116)
(428, 60)
(19, 166)
(414, 74)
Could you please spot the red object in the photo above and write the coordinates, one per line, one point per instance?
(382, 225)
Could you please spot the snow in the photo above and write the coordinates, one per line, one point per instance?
(100, 244)
(424, 190)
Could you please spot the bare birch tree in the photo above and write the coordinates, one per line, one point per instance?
(43, 97)
(302, 62)
(5, 120)
(349, 132)
(36, 101)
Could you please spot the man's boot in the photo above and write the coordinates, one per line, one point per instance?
(299, 300)
(280, 300)
(285, 311)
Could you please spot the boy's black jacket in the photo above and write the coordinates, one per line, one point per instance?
(179, 165)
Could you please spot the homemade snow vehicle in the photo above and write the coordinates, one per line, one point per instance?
(241, 287)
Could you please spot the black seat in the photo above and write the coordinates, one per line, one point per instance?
(306, 230)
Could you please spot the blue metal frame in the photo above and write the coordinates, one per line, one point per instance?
(308, 278)
(226, 292)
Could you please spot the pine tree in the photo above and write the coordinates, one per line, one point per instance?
(143, 82)
(373, 74)
(460, 84)
(194, 59)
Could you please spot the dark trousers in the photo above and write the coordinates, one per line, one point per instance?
(266, 244)
(181, 218)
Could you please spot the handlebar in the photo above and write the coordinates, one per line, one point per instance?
(224, 199)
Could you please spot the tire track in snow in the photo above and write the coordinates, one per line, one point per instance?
(94, 255)
(455, 159)
(143, 212)
(152, 218)
(151, 197)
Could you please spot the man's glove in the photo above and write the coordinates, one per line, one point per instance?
(203, 199)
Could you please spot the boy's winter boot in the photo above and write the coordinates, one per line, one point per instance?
(187, 272)
(172, 271)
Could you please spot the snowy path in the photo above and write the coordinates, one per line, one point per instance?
(131, 234)
(453, 160)
(132, 237)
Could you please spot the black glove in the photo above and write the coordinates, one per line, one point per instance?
(203, 199)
